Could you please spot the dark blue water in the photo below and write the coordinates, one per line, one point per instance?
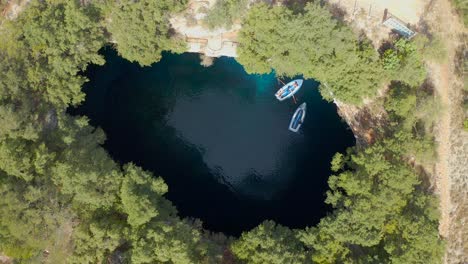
(219, 138)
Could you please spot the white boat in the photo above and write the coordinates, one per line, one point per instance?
(289, 89)
(298, 118)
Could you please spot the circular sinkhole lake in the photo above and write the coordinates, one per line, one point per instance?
(219, 138)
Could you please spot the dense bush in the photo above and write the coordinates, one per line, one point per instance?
(269, 243)
(312, 44)
(462, 8)
(225, 12)
(141, 29)
(403, 62)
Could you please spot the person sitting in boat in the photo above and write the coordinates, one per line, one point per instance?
(287, 90)
(295, 84)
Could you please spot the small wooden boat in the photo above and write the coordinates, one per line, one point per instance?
(289, 89)
(298, 118)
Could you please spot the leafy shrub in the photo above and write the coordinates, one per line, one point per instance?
(141, 29)
(403, 62)
(225, 12)
(462, 7)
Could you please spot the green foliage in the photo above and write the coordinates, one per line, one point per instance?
(431, 49)
(462, 8)
(141, 196)
(312, 44)
(225, 12)
(413, 235)
(96, 239)
(402, 101)
(403, 62)
(141, 29)
(166, 241)
(156, 235)
(413, 114)
(394, 58)
(269, 243)
(337, 162)
(324, 247)
(370, 189)
(92, 180)
(381, 215)
(55, 40)
(31, 218)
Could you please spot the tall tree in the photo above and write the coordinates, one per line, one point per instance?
(373, 200)
(141, 29)
(269, 243)
(58, 39)
(313, 44)
(141, 197)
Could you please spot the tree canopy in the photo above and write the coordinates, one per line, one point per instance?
(312, 44)
(403, 62)
(269, 243)
(141, 29)
(225, 12)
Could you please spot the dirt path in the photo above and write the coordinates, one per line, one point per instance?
(451, 170)
(441, 75)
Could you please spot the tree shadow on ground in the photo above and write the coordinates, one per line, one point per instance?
(337, 12)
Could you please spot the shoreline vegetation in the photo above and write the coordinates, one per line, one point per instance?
(64, 200)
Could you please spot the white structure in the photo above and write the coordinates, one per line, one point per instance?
(398, 25)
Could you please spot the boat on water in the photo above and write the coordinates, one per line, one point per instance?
(289, 89)
(298, 118)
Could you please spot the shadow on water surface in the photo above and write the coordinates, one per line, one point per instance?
(218, 137)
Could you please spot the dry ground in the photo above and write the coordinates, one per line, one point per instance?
(13, 7)
(452, 168)
(367, 15)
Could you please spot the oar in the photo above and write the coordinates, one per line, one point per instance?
(281, 81)
(294, 99)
